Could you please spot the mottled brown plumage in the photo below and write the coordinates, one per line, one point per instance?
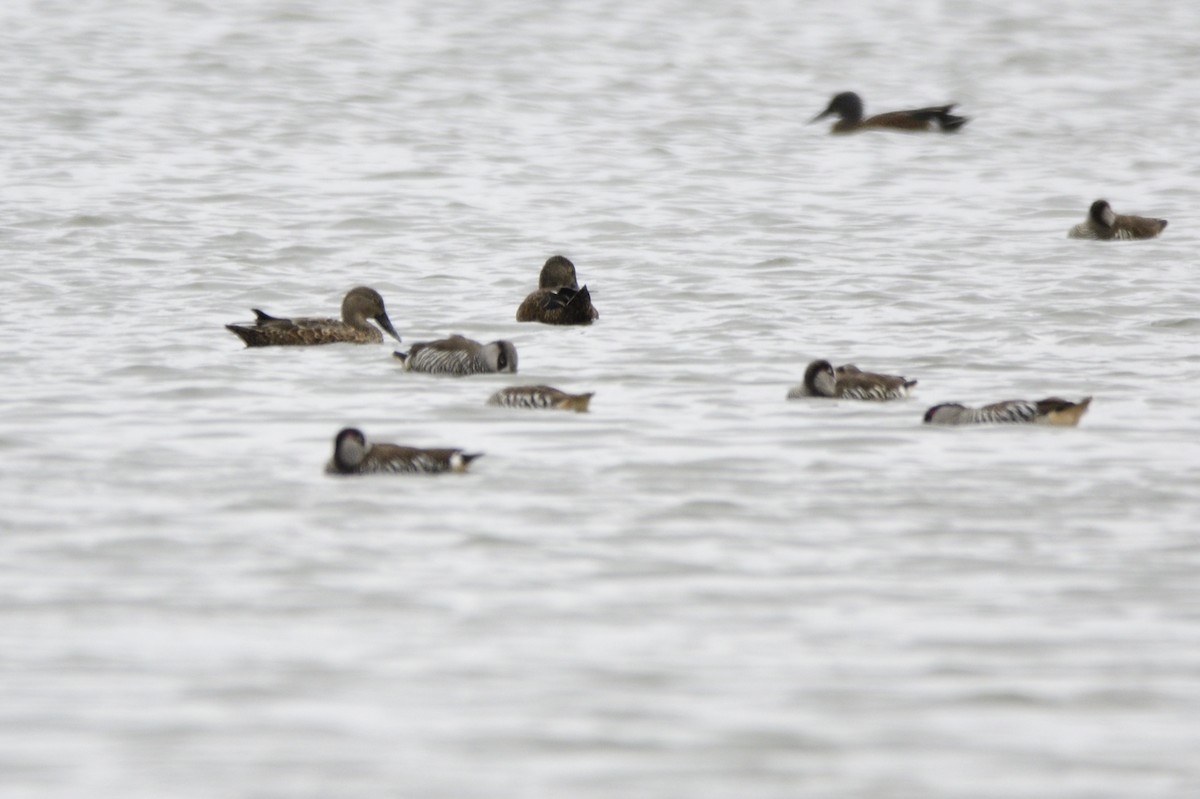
(558, 300)
(359, 305)
(1104, 225)
(849, 108)
(540, 397)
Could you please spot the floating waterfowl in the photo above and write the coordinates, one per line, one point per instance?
(1052, 411)
(849, 382)
(540, 397)
(1104, 225)
(353, 455)
(558, 300)
(459, 355)
(848, 106)
(359, 305)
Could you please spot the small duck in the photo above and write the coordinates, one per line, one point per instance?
(849, 382)
(849, 107)
(558, 300)
(459, 355)
(540, 397)
(353, 455)
(359, 305)
(1052, 410)
(1103, 224)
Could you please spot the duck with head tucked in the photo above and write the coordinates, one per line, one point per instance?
(558, 300)
(359, 305)
(848, 107)
(353, 455)
(1051, 411)
(459, 355)
(1104, 225)
(540, 397)
(849, 382)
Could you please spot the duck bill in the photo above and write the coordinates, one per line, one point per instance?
(821, 115)
(386, 324)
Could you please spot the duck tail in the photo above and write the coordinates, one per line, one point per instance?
(402, 357)
(950, 122)
(577, 402)
(249, 336)
(1066, 414)
(464, 460)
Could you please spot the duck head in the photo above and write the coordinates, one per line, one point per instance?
(364, 303)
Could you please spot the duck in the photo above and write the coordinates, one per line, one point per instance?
(849, 382)
(1104, 225)
(848, 106)
(540, 397)
(359, 305)
(558, 300)
(1052, 411)
(459, 355)
(353, 455)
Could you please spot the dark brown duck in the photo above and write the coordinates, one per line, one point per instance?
(558, 300)
(359, 305)
(1104, 225)
(848, 107)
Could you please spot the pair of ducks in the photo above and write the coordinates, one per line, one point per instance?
(1102, 223)
(558, 301)
(850, 382)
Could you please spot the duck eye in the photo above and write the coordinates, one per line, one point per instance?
(503, 361)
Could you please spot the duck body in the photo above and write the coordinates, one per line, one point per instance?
(1102, 224)
(848, 107)
(353, 455)
(359, 305)
(537, 397)
(850, 382)
(459, 355)
(558, 300)
(1050, 411)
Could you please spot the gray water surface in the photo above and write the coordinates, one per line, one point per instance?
(699, 589)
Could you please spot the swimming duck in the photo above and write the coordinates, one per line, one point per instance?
(558, 300)
(849, 382)
(540, 397)
(1103, 224)
(360, 304)
(353, 455)
(1052, 410)
(459, 355)
(849, 107)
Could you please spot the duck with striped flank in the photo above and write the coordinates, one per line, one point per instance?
(359, 305)
(1103, 224)
(1051, 411)
(459, 355)
(849, 382)
(352, 454)
(558, 300)
(540, 397)
(848, 107)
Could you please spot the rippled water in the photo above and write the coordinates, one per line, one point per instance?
(699, 589)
